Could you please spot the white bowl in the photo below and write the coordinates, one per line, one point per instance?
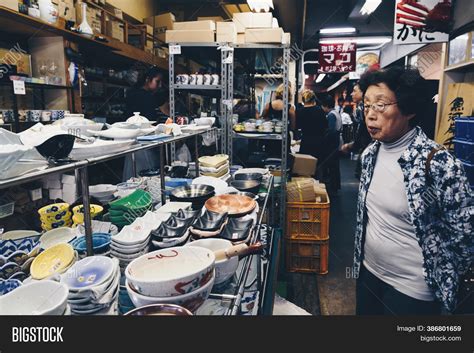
(36, 298)
(224, 268)
(102, 190)
(57, 236)
(191, 301)
(171, 272)
(89, 272)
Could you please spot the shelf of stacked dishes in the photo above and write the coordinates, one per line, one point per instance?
(203, 250)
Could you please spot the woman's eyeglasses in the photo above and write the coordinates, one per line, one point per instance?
(377, 107)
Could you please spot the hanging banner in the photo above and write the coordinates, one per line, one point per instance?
(421, 21)
(365, 60)
(337, 57)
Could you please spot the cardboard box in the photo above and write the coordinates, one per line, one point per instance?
(16, 56)
(194, 25)
(240, 38)
(211, 18)
(161, 24)
(195, 36)
(300, 191)
(11, 4)
(115, 30)
(286, 38)
(67, 10)
(244, 20)
(226, 32)
(68, 179)
(267, 35)
(304, 164)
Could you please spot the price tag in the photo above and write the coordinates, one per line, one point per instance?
(229, 59)
(175, 49)
(19, 87)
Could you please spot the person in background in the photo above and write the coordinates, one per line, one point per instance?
(362, 138)
(414, 234)
(347, 123)
(340, 105)
(311, 119)
(332, 144)
(148, 97)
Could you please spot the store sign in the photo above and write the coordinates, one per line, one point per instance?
(365, 60)
(337, 57)
(422, 21)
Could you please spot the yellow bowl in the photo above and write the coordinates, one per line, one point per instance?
(51, 261)
(48, 227)
(50, 221)
(54, 212)
(95, 210)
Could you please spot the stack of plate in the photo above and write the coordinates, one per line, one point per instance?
(124, 211)
(17, 251)
(214, 166)
(133, 241)
(93, 284)
(103, 193)
(55, 260)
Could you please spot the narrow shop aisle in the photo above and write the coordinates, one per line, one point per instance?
(337, 288)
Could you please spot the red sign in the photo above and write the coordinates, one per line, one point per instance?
(337, 57)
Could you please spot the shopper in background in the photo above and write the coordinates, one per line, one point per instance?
(347, 123)
(148, 97)
(311, 119)
(274, 111)
(362, 138)
(333, 142)
(340, 105)
(415, 212)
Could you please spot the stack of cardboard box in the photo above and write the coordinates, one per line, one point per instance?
(192, 32)
(258, 28)
(161, 24)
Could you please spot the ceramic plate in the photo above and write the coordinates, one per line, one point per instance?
(54, 260)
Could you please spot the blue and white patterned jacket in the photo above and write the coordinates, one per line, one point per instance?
(441, 212)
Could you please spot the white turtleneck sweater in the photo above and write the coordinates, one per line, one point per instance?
(391, 249)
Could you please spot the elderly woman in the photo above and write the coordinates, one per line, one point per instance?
(415, 213)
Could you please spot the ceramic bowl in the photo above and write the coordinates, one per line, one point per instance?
(171, 272)
(100, 243)
(163, 243)
(53, 210)
(9, 285)
(19, 257)
(57, 236)
(18, 236)
(89, 272)
(9, 269)
(57, 147)
(36, 298)
(226, 268)
(95, 210)
(102, 191)
(54, 260)
(252, 186)
(159, 310)
(191, 301)
(168, 232)
(8, 247)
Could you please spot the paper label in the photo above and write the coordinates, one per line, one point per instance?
(175, 49)
(19, 87)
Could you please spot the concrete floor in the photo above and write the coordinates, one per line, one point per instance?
(334, 293)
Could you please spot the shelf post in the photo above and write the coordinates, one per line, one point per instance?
(196, 148)
(84, 176)
(162, 174)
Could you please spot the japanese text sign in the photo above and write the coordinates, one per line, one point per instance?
(422, 21)
(337, 57)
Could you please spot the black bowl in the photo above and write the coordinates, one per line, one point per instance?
(57, 147)
(248, 176)
(196, 194)
(252, 186)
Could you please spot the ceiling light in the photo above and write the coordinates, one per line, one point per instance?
(320, 78)
(370, 6)
(336, 30)
(260, 5)
(357, 40)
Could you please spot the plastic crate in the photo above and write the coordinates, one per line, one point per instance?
(308, 220)
(464, 128)
(464, 150)
(309, 256)
(469, 168)
(7, 209)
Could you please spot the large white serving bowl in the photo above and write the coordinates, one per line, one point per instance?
(171, 272)
(224, 268)
(191, 301)
(36, 298)
(89, 272)
(57, 236)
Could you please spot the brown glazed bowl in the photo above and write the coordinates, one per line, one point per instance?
(160, 310)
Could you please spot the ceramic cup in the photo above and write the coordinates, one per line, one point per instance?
(46, 115)
(34, 115)
(193, 79)
(200, 79)
(207, 79)
(8, 115)
(215, 79)
(57, 114)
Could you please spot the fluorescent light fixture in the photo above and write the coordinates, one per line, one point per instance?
(336, 30)
(320, 78)
(357, 40)
(370, 6)
(260, 5)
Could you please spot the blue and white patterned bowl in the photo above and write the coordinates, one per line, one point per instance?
(7, 286)
(8, 247)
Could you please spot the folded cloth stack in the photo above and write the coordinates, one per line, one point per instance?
(214, 166)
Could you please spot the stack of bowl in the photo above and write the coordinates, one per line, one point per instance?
(100, 244)
(93, 283)
(78, 213)
(181, 275)
(124, 211)
(53, 261)
(197, 194)
(55, 216)
(104, 193)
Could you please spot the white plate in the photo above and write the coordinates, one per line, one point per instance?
(57, 236)
(253, 170)
(122, 134)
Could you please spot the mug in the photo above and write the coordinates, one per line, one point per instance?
(57, 115)
(185, 79)
(207, 79)
(34, 115)
(46, 115)
(200, 79)
(8, 115)
(193, 79)
(215, 79)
